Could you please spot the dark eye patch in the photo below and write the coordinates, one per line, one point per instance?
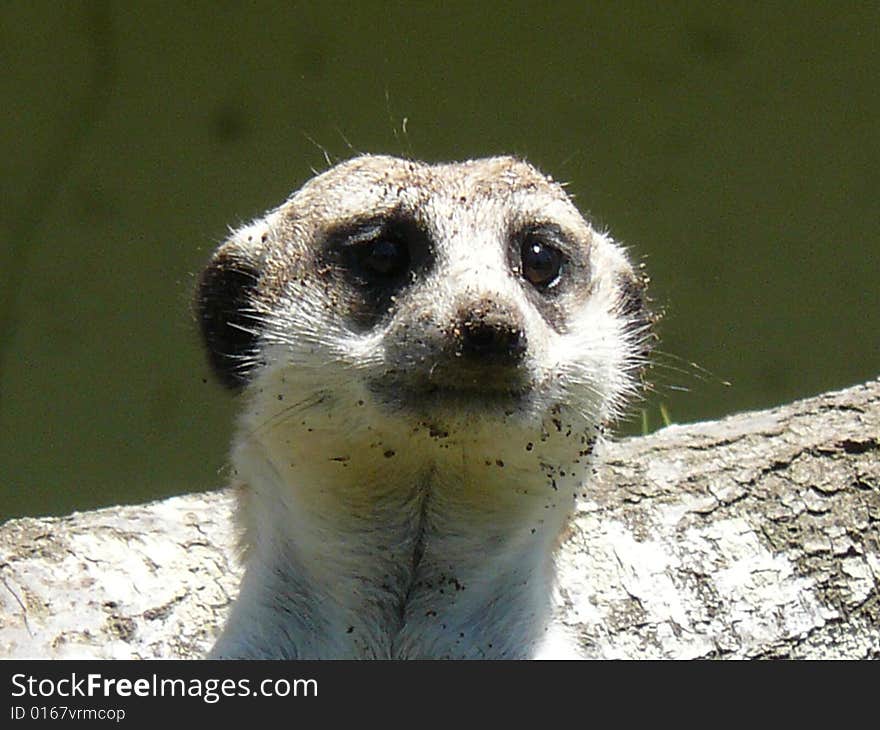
(546, 258)
(378, 258)
(552, 268)
(378, 255)
(383, 258)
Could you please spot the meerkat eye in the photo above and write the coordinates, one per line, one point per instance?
(383, 258)
(541, 263)
(379, 258)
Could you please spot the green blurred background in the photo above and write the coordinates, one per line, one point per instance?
(733, 146)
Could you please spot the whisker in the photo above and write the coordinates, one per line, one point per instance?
(287, 413)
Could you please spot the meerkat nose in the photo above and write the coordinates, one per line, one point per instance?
(489, 332)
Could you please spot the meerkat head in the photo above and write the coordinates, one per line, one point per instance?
(450, 295)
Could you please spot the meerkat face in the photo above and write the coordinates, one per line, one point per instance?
(467, 292)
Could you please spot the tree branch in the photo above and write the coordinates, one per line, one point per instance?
(753, 536)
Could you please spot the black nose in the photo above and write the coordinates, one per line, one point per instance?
(489, 333)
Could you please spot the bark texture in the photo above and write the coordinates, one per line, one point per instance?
(754, 536)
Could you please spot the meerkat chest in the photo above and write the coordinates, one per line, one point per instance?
(429, 568)
(440, 596)
(416, 544)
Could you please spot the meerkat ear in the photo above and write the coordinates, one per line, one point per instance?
(639, 318)
(224, 304)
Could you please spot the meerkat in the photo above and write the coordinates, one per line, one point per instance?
(427, 354)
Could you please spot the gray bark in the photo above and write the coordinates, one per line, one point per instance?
(753, 536)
